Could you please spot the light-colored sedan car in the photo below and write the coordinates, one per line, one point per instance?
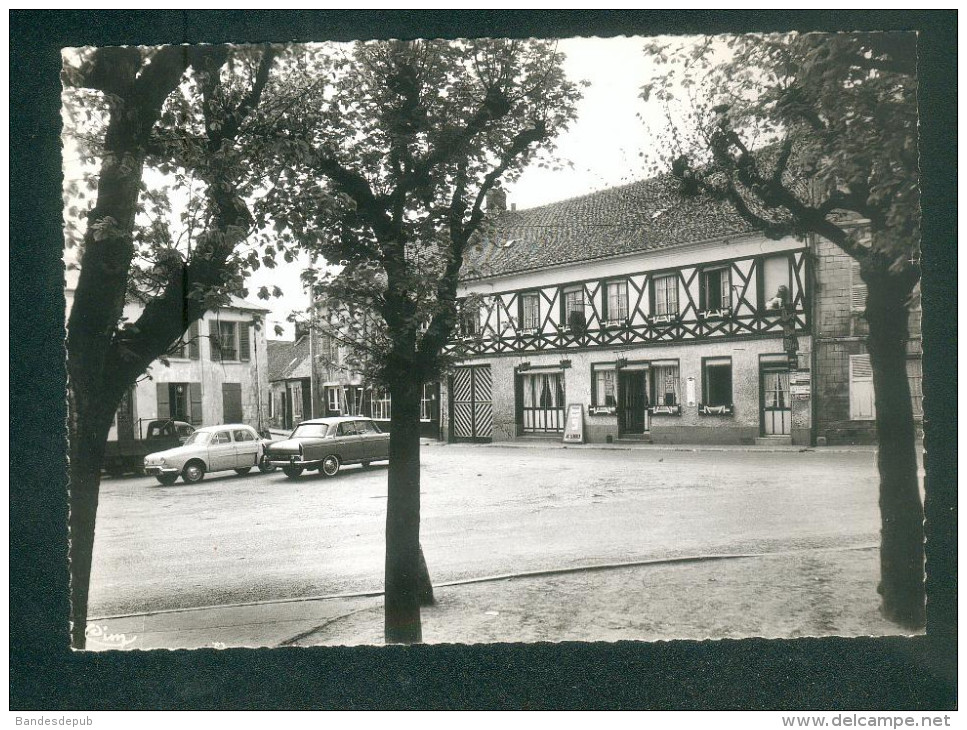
(325, 444)
(233, 446)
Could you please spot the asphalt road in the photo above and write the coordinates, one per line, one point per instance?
(486, 511)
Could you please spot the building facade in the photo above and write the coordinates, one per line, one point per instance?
(217, 374)
(663, 319)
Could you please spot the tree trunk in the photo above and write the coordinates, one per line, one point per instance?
(901, 510)
(407, 580)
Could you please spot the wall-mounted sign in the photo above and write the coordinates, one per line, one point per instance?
(574, 426)
(799, 377)
(690, 391)
(799, 390)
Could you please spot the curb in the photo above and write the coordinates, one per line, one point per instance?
(685, 559)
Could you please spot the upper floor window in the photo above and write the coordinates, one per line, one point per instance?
(716, 292)
(573, 307)
(530, 311)
(187, 345)
(776, 282)
(469, 319)
(229, 340)
(664, 292)
(616, 300)
(858, 289)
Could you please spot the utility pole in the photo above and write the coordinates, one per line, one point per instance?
(312, 352)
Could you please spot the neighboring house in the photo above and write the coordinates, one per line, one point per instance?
(667, 319)
(339, 389)
(845, 411)
(217, 374)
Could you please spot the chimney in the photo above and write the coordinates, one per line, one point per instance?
(497, 198)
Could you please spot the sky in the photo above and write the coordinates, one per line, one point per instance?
(604, 145)
(607, 145)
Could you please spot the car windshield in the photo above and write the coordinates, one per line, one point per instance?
(198, 438)
(310, 430)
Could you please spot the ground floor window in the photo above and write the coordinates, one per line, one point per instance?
(543, 402)
(665, 384)
(604, 393)
(382, 404)
(333, 401)
(717, 381)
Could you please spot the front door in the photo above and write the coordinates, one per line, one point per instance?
(232, 402)
(633, 401)
(776, 413)
(126, 416)
(471, 408)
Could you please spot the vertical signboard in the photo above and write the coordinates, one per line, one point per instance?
(574, 426)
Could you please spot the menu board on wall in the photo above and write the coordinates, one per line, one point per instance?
(574, 426)
(690, 391)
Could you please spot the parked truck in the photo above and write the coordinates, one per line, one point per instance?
(126, 456)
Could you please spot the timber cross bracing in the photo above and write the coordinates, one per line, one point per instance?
(501, 313)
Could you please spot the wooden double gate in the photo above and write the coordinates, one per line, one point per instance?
(471, 405)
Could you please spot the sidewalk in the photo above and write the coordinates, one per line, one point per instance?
(779, 595)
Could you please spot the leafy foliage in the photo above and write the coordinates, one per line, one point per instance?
(385, 173)
(801, 132)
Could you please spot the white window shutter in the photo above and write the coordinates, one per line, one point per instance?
(861, 399)
(857, 289)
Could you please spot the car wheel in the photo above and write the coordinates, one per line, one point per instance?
(243, 471)
(330, 465)
(167, 480)
(292, 471)
(193, 472)
(265, 466)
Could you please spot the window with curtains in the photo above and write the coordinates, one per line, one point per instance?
(664, 291)
(604, 394)
(616, 301)
(530, 311)
(229, 341)
(665, 385)
(572, 304)
(776, 282)
(775, 389)
(543, 402)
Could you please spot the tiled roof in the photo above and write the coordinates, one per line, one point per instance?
(648, 215)
(285, 357)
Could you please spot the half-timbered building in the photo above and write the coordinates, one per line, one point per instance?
(666, 319)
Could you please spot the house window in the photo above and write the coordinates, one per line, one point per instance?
(187, 346)
(664, 291)
(530, 311)
(861, 401)
(469, 319)
(382, 404)
(665, 384)
(776, 282)
(573, 303)
(332, 401)
(604, 393)
(716, 293)
(717, 381)
(542, 402)
(426, 402)
(915, 377)
(229, 340)
(616, 300)
(227, 343)
(180, 402)
(352, 400)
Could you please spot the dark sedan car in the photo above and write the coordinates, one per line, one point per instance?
(325, 444)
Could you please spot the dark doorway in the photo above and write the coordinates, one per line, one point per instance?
(126, 416)
(632, 390)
